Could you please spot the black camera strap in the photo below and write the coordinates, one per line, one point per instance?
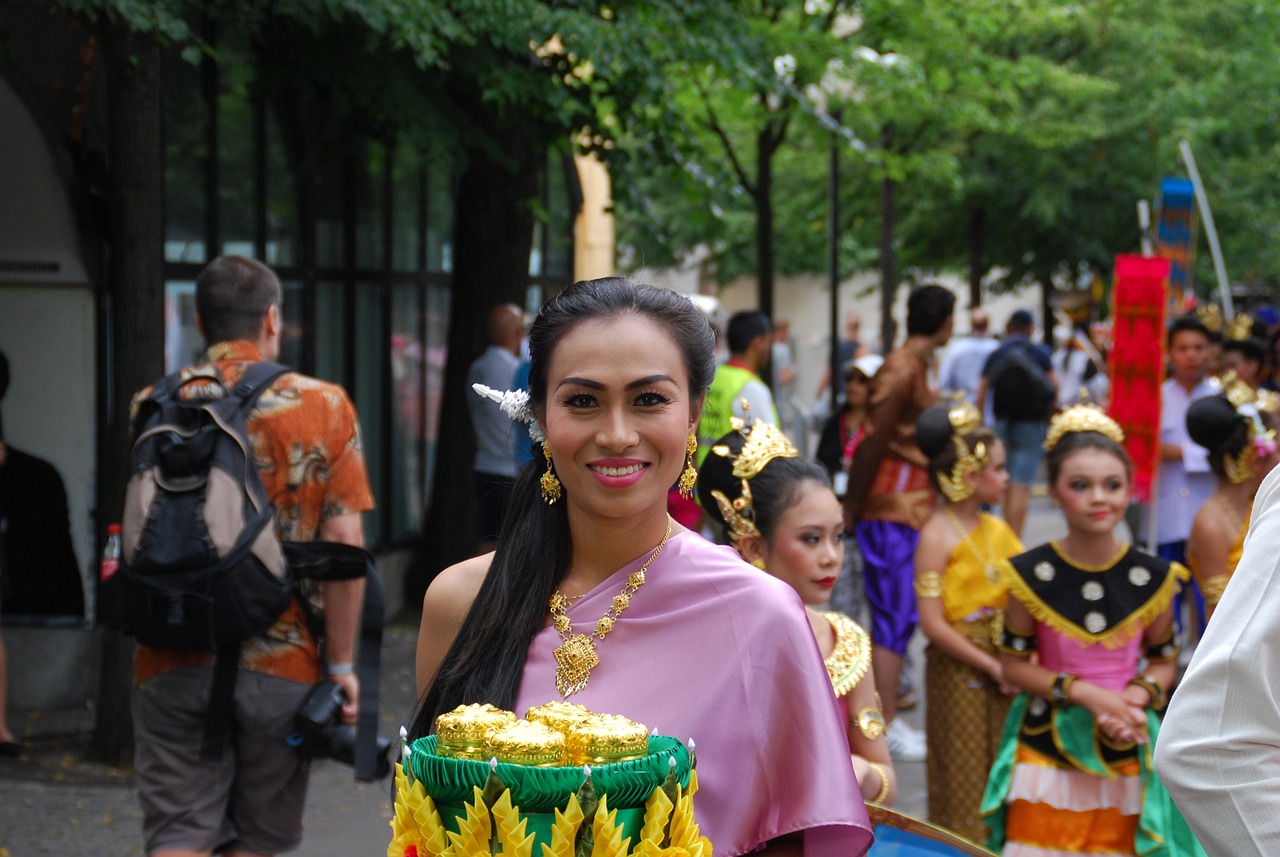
(331, 561)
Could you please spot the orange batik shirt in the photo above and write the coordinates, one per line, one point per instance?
(306, 443)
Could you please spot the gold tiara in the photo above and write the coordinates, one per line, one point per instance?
(1210, 315)
(1241, 327)
(965, 419)
(763, 443)
(1078, 418)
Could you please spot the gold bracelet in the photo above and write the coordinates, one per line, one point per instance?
(883, 771)
(928, 584)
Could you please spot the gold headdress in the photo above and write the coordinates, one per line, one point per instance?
(1078, 418)
(965, 420)
(1241, 327)
(1262, 441)
(763, 443)
(1210, 315)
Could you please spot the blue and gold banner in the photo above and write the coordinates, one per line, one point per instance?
(1176, 239)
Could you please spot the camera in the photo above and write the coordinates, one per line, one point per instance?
(318, 734)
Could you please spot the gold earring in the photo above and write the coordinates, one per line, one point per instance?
(551, 488)
(690, 474)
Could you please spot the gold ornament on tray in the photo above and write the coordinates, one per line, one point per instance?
(576, 656)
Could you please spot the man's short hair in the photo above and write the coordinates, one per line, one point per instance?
(928, 308)
(233, 293)
(1186, 323)
(744, 328)
(1020, 321)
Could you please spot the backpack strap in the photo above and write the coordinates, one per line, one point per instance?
(255, 381)
(217, 721)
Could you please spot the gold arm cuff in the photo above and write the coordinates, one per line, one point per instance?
(871, 723)
(928, 584)
(883, 771)
(1159, 697)
(1213, 589)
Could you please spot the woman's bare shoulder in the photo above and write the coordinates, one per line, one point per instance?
(456, 587)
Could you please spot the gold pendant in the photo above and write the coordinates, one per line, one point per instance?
(575, 659)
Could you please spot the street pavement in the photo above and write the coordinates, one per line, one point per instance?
(52, 802)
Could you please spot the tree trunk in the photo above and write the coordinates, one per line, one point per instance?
(977, 239)
(888, 260)
(766, 146)
(135, 287)
(493, 235)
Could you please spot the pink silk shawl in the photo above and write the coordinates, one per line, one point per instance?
(715, 650)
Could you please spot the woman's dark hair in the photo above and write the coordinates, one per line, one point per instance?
(928, 308)
(1249, 349)
(1078, 440)
(933, 436)
(485, 662)
(773, 489)
(1214, 423)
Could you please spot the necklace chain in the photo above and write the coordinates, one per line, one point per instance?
(988, 561)
(576, 655)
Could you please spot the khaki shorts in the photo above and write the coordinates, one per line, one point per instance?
(251, 798)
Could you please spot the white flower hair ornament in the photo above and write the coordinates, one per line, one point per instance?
(515, 404)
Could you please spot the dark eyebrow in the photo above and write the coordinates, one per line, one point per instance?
(596, 385)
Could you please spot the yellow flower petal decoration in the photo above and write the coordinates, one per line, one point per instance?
(657, 811)
(684, 829)
(565, 830)
(607, 833)
(511, 828)
(474, 830)
(416, 829)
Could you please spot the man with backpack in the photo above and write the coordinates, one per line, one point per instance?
(243, 792)
(1019, 377)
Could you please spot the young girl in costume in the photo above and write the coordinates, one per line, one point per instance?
(1242, 450)
(1074, 769)
(780, 513)
(960, 591)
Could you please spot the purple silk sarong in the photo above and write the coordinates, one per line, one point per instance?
(888, 573)
(716, 650)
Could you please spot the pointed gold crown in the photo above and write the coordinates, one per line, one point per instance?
(1210, 315)
(1078, 418)
(1238, 393)
(1241, 327)
(764, 442)
(964, 418)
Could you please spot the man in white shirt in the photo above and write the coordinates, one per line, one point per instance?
(495, 461)
(1219, 747)
(961, 368)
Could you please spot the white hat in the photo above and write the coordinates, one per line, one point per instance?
(867, 364)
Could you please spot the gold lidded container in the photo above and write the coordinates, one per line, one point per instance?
(522, 742)
(463, 732)
(560, 715)
(602, 739)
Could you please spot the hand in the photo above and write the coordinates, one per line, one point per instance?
(350, 685)
(1119, 719)
(1137, 696)
(996, 672)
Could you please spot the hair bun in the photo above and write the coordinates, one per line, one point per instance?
(1212, 421)
(933, 430)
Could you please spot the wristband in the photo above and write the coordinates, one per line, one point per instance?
(883, 771)
(1059, 693)
(341, 669)
(1159, 698)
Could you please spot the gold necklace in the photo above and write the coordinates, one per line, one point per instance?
(576, 656)
(988, 561)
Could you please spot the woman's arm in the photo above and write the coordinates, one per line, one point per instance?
(932, 553)
(444, 608)
(865, 749)
(1119, 719)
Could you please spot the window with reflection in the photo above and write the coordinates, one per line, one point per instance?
(185, 154)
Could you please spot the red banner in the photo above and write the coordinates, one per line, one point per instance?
(1136, 361)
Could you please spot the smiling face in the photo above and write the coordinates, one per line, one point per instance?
(1092, 489)
(617, 415)
(806, 549)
